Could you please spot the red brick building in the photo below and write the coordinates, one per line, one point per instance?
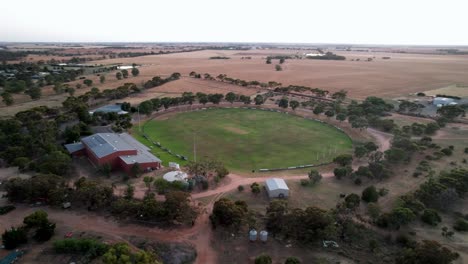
(121, 151)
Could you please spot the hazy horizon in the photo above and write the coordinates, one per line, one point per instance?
(365, 22)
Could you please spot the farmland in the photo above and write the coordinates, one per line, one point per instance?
(249, 140)
(400, 75)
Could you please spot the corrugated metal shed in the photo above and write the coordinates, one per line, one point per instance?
(74, 147)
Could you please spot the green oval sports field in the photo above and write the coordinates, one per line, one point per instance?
(245, 139)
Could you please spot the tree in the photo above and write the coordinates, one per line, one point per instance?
(14, 237)
(102, 79)
(34, 92)
(318, 110)
(340, 117)
(431, 217)
(124, 73)
(370, 194)
(129, 192)
(461, 225)
(118, 75)
(231, 97)
(329, 113)
(268, 61)
(215, 98)
(71, 91)
(258, 100)
(36, 219)
(341, 172)
(136, 169)
(121, 253)
(228, 213)
(352, 201)
(278, 67)
(221, 171)
(294, 104)
(45, 231)
(284, 102)
(343, 159)
(429, 252)
(263, 259)
(360, 151)
(178, 207)
(281, 61)
(373, 209)
(396, 155)
(340, 95)
(401, 216)
(255, 188)
(21, 162)
(105, 169)
(292, 260)
(7, 98)
(55, 162)
(451, 111)
(88, 82)
(135, 72)
(148, 180)
(314, 177)
(371, 146)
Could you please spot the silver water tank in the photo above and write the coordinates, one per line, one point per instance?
(253, 235)
(263, 236)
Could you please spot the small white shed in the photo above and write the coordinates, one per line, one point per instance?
(277, 188)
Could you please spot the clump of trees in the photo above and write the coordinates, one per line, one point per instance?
(327, 56)
(37, 222)
(207, 171)
(228, 213)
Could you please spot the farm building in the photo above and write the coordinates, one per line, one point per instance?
(115, 108)
(442, 101)
(121, 151)
(277, 188)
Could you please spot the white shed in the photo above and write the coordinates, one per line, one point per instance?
(277, 188)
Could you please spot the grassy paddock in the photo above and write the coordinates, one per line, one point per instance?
(247, 139)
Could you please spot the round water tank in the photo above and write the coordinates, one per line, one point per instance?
(253, 235)
(263, 236)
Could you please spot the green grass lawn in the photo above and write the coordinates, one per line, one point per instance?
(246, 139)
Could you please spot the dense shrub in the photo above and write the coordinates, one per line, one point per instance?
(370, 194)
(461, 225)
(81, 245)
(6, 209)
(431, 217)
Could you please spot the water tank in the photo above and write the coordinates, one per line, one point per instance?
(253, 235)
(263, 236)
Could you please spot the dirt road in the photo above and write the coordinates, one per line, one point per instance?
(200, 235)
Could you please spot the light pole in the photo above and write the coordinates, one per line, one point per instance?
(194, 147)
(139, 120)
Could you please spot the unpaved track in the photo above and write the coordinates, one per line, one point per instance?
(200, 235)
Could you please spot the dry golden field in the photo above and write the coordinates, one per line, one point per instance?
(400, 75)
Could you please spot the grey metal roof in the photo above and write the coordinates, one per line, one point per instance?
(74, 147)
(276, 183)
(116, 108)
(104, 144)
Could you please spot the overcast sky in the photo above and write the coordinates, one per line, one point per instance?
(425, 22)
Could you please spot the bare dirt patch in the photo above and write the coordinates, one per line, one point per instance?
(236, 130)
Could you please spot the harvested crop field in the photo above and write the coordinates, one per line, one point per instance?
(248, 139)
(401, 74)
